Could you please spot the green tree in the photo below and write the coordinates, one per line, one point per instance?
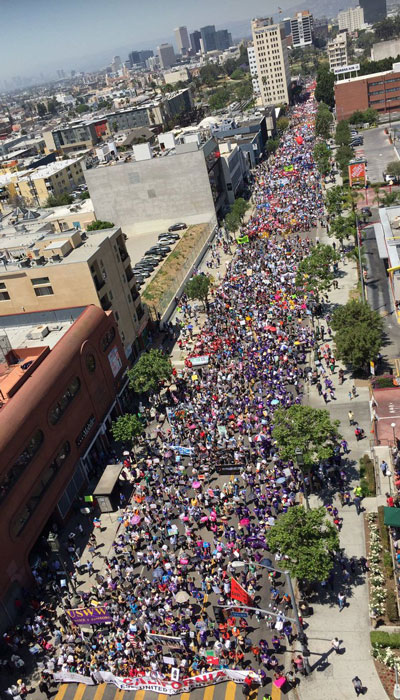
(357, 117)
(84, 195)
(59, 200)
(307, 540)
(220, 98)
(232, 221)
(358, 333)
(82, 108)
(282, 124)
(324, 91)
(239, 207)
(323, 121)
(209, 74)
(322, 156)
(41, 109)
(342, 134)
(388, 199)
(393, 168)
(238, 74)
(127, 427)
(370, 116)
(99, 225)
(315, 271)
(334, 199)
(342, 227)
(272, 145)
(307, 428)
(344, 155)
(197, 287)
(151, 368)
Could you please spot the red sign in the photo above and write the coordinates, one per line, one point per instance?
(357, 174)
(239, 593)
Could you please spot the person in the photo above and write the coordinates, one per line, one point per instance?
(384, 467)
(357, 685)
(357, 503)
(335, 644)
(44, 687)
(351, 417)
(341, 601)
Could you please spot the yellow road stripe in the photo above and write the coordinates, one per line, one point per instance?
(185, 696)
(80, 690)
(161, 696)
(100, 691)
(230, 691)
(118, 695)
(139, 695)
(61, 691)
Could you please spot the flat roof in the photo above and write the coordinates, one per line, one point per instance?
(20, 336)
(370, 75)
(108, 480)
(50, 169)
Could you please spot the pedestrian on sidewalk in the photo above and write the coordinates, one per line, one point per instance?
(357, 685)
(335, 644)
(357, 503)
(351, 417)
(384, 467)
(345, 447)
(341, 601)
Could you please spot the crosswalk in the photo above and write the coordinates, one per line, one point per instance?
(107, 691)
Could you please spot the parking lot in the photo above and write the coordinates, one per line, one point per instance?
(137, 244)
(377, 150)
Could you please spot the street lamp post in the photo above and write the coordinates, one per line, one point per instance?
(393, 426)
(300, 464)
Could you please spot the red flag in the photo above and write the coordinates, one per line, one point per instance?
(239, 593)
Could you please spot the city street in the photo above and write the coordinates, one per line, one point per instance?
(377, 150)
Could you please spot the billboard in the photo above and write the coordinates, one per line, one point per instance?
(346, 69)
(357, 173)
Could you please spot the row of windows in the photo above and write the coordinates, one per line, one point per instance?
(19, 522)
(58, 410)
(21, 463)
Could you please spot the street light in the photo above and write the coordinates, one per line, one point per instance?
(300, 463)
(393, 426)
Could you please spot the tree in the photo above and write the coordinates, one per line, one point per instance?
(239, 207)
(41, 109)
(209, 74)
(114, 126)
(99, 225)
(151, 368)
(197, 287)
(388, 199)
(393, 168)
(282, 124)
(322, 157)
(127, 427)
(82, 108)
(232, 221)
(238, 74)
(357, 117)
(358, 333)
(344, 155)
(59, 200)
(324, 91)
(342, 227)
(307, 428)
(272, 145)
(84, 195)
(315, 271)
(220, 98)
(370, 115)
(307, 540)
(323, 121)
(342, 134)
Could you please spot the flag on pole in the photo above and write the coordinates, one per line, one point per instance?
(239, 593)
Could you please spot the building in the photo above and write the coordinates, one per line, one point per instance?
(35, 186)
(79, 134)
(116, 64)
(195, 41)
(337, 51)
(208, 38)
(182, 39)
(128, 118)
(352, 19)
(253, 69)
(287, 24)
(223, 39)
(249, 133)
(176, 75)
(61, 384)
(272, 61)
(134, 58)
(41, 271)
(374, 10)
(166, 55)
(385, 49)
(381, 91)
(236, 169)
(301, 29)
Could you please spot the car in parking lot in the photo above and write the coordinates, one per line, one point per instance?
(177, 227)
(167, 238)
(358, 141)
(144, 272)
(165, 249)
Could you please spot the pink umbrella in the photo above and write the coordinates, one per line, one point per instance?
(183, 561)
(135, 520)
(244, 521)
(196, 484)
(204, 519)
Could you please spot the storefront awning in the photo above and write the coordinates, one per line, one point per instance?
(392, 517)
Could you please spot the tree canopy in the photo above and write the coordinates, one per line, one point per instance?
(59, 200)
(127, 427)
(324, 91)
(307, 540)
(151, 368)
(342, 134)
(358, 333)
(197, 287)
(393, 168)
(322, 156)
(307, 428)
(315, 271)
(99, 225)
(323, 121)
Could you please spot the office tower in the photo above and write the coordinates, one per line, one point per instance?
(301, 29)
(134, 58)
(116, 64)
(195, 41)
(208, 37)
(374, 10)
(182, 39)
(351, 19)
(287, 25)
(337, 51)
(223, 39)
(145, 54)
(166, 55)
(253, 69)
(272, 61)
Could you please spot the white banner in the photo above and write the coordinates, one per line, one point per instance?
(154, 683)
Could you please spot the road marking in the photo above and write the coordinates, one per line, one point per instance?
(61, 692)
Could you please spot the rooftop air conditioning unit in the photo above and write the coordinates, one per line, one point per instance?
(39, 332)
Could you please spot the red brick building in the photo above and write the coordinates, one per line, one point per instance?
(56, 407)
(380, 91)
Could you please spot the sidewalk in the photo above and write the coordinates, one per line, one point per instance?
(332, 673)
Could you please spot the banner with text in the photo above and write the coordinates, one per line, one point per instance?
(89, 616)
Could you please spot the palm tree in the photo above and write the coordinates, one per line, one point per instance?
(388, 199)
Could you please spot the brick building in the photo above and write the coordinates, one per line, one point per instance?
(380, 91)
(55, 411)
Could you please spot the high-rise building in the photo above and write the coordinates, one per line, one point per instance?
(374, 10)
(208, 37)
(253, 69)
(337, 51)
(166, 55)
(116, 64)
(301, 26)
(351, 19)
(272, 60)
(134, 58)
(195, 41)
(287, 25)
(182, 39)
(145, 54)
(223, 39)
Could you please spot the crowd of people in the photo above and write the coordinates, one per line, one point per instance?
(186, 528)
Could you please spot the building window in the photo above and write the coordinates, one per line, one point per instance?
(19, 522)
(4, 296)
(2, 285)
(21, 463)
(91, 363)
(43, 291)
(40, 280)
(107, 339)
(58, 410)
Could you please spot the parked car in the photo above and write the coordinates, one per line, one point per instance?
(165, 249)
(177, 227)
(168, 238)
(144, 272)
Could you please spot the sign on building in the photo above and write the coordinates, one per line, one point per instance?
(346, 69)
(357, 173)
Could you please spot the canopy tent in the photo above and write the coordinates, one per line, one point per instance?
(392, 516)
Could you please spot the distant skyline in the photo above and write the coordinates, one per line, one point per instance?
(43, 36)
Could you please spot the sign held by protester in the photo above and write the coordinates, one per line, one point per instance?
(89, 616)
(240, 594)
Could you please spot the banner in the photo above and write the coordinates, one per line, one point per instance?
(170, 642)
(89, 616)
(288, 168)
(243, 239)
(161, 686)
(68, 677)
(239, 593)
(357, 174)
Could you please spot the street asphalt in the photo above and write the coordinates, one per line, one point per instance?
(377, 150)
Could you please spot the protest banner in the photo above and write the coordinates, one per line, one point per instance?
(239, 593)
(69, 677)
(166, 641)
(89, 616)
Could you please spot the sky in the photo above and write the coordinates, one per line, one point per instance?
(46, 35)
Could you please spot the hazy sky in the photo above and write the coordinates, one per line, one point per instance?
(50, 34)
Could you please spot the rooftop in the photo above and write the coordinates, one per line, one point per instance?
(395, 72)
